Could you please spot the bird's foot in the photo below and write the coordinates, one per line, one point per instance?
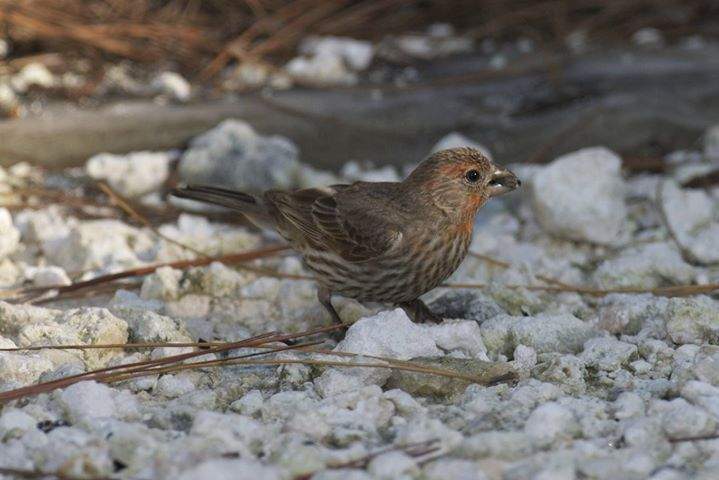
(419, 312)
(325, 297)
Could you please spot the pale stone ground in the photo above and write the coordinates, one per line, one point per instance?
(611, 387)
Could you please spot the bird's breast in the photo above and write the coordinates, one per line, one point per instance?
(422, 262)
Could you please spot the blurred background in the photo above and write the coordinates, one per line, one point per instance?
(370, 81)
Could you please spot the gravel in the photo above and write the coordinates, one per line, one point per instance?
(693, 219)
(131, 175)
(580, 196)
(617, 386)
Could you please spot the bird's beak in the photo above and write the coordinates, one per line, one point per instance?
(502, 181)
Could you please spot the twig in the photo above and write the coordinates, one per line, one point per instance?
(698, 438)
(123, 204)
(503, 264)
(687, 254)
(414, 449)
(174, 363)
(294, 29)
(672, 291)
(233, 361)
(37, 474)
(140, 271)
(104, 373)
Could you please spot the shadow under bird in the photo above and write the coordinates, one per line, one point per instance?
(385, 242)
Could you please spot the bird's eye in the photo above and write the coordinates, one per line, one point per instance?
(472, 176)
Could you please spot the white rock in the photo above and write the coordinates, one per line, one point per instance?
(706, 364)
(9, 235)
(456, 139)
(47, 225)
(33, 75)
(9, 101)
(14, 317)
(173, 386)
(568, 371)
(525, 358)
(577, 40)
(173, 85)
(14, 422)
(209, 238)
(648, 37)
(693, 320)
(645, 266)
(544, 333)
(711, 143)
(404, 402)
(49, 276)
(357, 54)
(640, 367)
(100, 244)
(87, 400)
(498, 61)
(163, 284)
(354, 172)
(689, 169)
(235, 156)
(248, 74)
(342, 474)
(388, 334)
(131, 175)
(427, 429)
(20, 369)
(580, 196)
(45, 333)
(149, 326)
(453, 468)
(427, 47)
(669, 473)
(322, 70)
(392, 465)
(7, 343)
(703, 395)
(505, 445)
(126, 304)
(95, 325)
(628, 405)
(230, 469)
(690, 215)
(250, 404)
(4, 48)
(551, 422)
(310, 177)
(628, 313)
(234, 432)
(556, 472)
(607, 353)
(463, 335)
(683, 420)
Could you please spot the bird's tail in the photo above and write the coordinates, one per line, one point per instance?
(251, 206)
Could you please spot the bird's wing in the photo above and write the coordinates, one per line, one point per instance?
(344, 219)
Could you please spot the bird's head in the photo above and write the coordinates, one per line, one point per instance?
(461, 179)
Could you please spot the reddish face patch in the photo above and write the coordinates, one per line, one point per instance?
(473, 203)
(455, 169)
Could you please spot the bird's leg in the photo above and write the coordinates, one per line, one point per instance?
(324, 295)
(419, 312)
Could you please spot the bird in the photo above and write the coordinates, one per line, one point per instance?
(385, 242)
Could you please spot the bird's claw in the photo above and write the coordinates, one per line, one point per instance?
(419, 312)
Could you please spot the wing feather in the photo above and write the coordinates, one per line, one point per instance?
(341, 218)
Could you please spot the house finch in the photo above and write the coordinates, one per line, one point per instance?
(385, 241)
